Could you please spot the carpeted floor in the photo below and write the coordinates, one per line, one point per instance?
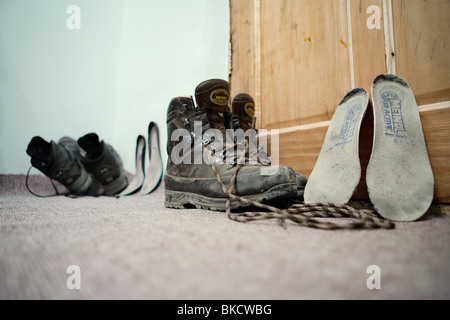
(135, 248)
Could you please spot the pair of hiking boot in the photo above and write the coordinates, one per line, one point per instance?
(78, 164)
(198, 153)
(399, 177)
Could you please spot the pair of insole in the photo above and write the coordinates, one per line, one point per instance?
(399, 177)
(147, 182)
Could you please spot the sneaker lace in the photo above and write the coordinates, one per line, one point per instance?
(57, 193)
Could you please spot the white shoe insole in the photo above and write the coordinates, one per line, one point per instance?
(337, 171)
(399, 177)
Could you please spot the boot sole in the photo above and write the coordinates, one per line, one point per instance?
(337, 171)
(184, 200)
(399, 176)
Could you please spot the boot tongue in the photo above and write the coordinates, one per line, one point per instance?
(244, 109)
(91, 145)
(40, 150)
(213, 96)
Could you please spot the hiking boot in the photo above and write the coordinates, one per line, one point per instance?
(213, 96)
(60, 161)
(243, 109)
(192, 183)
(104, 163)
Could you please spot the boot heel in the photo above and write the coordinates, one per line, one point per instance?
(176, 200)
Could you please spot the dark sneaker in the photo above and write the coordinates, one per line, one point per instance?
(193, 183)
(104, 163)
(60, 161)
(243, 109)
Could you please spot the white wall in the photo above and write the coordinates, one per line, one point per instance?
(113, 76)
(167, 49)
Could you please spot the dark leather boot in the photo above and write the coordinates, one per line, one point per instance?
(192, 183)
(243, 108)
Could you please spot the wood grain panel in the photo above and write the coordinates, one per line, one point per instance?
(436, 128)
(304, 60)
(300, 148)
(368, 44)
(243, 47)
(422, 42)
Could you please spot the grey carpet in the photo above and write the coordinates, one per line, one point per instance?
(135, 248)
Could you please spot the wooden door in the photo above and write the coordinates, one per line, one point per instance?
(298, 58)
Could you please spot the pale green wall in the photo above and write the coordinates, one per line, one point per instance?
(113, 76)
